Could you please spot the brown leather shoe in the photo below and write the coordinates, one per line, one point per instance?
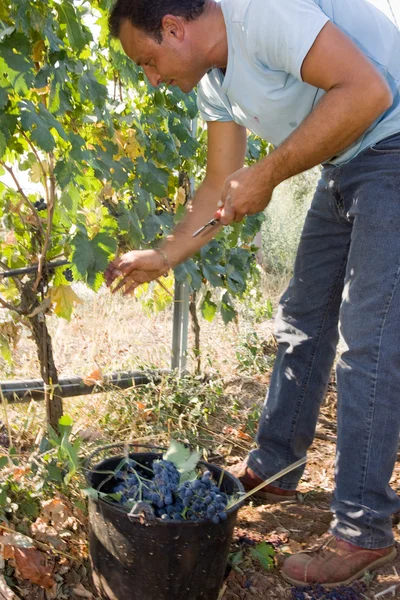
(334, 562)
(270, 494)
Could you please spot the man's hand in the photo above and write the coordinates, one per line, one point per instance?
(135, 268)
(246, 192)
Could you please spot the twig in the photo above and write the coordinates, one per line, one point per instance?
(164, 288)
(23, 195)
(324, 436)
(392, 589)
(4, 403)
(5, 304)
(284, 471)
(50, 213)
(222, 592)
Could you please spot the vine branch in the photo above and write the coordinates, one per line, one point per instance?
(50, 213)
(23, 195)
(9, 306)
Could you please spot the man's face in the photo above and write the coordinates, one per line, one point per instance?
(172, 62)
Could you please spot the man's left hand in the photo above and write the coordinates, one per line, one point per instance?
(246, 192)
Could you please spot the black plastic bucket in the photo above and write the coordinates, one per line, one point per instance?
(160, 560)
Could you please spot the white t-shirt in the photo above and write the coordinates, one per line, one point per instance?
(268, 41)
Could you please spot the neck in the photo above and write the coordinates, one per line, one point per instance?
(212, 36)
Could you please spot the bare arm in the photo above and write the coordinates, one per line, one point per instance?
(356, 95)
(225, 155)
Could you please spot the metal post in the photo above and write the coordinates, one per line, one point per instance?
(180, 327)
(181, 310)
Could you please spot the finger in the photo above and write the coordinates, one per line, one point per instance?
(111, 275)
(131, 289)
(124, 281)
(227, 215)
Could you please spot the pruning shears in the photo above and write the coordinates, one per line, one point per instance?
(211, 223)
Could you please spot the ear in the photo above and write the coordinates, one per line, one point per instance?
(172, 26)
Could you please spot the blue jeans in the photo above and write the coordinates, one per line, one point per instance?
(346, 282)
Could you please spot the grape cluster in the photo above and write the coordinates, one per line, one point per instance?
(128, 485)
(195, 500)
(317, 592)
(160, 490)
(68, 275)
(40, 204)
(203, 499)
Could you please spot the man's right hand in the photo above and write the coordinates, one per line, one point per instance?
(135, 268)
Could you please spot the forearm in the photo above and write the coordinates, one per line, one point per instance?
(328, 130)
(181, 244)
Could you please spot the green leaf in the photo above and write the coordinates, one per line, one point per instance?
(55, 473)
(3, 461)
(3, 97)
(154, 179)
(129, 224)
(75, 34)
(5, 350)
(264, 553)
(195, 276)
(236, 558)
(39, 123)
(208, 308)
(3, 496)
(227, 311)
(183, 458)
(91, 257)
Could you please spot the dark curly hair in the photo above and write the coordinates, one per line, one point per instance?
(148, 14)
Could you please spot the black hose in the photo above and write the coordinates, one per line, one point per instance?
(25, 391)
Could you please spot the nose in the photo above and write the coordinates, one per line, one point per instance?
(153, 77)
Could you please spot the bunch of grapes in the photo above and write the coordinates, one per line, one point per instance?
(317, 592)
(68, 275)
(199, 499)
(203, 499)
(128, 485)
(40, 204)
(160, 491)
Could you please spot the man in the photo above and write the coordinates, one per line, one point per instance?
(320, 79)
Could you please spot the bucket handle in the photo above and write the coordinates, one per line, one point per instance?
(88, 459)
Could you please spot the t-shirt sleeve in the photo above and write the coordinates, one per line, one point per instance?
(212, 102)
(282, 32)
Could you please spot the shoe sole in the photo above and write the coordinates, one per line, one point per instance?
(375, 565)
(275, 498)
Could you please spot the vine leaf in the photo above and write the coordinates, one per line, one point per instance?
(64, 298)
(183, 458)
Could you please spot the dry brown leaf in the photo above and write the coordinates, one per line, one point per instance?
(56, 511)
(18, 540)
(33, 565)
(43, 532)
(94, 377)
(82, 592)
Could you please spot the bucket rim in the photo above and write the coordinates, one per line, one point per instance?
(158, 521)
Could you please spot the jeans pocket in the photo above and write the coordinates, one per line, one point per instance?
(389, 145)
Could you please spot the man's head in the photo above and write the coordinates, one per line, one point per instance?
(162, 37)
